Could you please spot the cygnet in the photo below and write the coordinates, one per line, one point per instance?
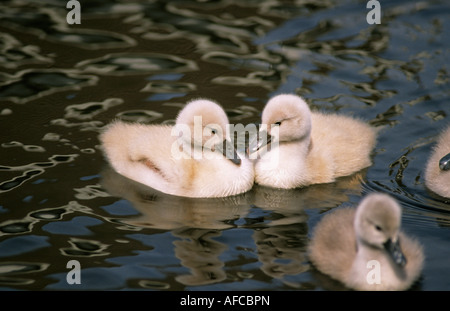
(193, 158)
(437, 172)
(364, 249)
(297, 147)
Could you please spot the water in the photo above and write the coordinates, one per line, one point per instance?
(60, 84)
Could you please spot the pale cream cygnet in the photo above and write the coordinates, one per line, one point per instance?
(437, 172)
(305, 147)
(364, 249)
(193, 158)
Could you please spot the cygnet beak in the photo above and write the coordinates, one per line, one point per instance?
(444, 163)
(393, 248)
(259, 141)
(228, 150)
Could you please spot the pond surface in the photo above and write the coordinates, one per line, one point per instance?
(61, 83)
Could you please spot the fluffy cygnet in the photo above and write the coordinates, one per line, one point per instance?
(305, 147)
(364, 248)
(437, 173)
(193, 158)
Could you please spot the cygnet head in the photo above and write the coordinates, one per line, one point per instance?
(206, 117)
(204, 123)
(292, 116)
(437, 172)
(285, 118)
(377, 225)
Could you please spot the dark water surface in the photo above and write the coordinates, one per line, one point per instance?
(60, 84)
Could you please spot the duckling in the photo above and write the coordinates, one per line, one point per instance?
(364, 249)
(193, 158)
(437, 172)
(305, 147)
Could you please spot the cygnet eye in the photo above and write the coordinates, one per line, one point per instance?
(278, 123)
(378, 228)
(214, 131)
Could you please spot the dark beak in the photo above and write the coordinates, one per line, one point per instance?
(444, 163)
(393, 248)
(258, 142)
(228, 150)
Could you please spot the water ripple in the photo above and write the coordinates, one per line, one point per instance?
(133, 63)
(30, 84)
(142, 116)
(14, 53)
(31, 170)
(87, 111)
(52, 26)
(85, 248)
(11, 272)
(25, 224)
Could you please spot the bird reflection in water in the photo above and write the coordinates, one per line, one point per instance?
(277, 217)
(197, 222)
(283, 240)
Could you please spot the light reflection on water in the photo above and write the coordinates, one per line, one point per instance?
(60, 84)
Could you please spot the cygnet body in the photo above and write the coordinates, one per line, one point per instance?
(364, 249)
(307, 147)
(193, 158)
(437, 172)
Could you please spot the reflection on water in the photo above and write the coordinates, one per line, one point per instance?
(141, 61)
(161, 211)
(123, 64)
(277, 218)
(198, 251)
(27, 85)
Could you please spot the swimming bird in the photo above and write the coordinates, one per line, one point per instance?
(305, 147)
(364, 249)
(193, 158)
(437, 172)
